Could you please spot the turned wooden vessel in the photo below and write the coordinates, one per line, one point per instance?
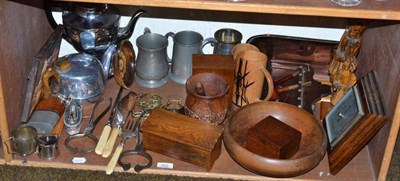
(312, 146)
(222, 65)
(207, 97)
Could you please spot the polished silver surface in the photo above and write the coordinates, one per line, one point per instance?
(84, 79)
(92, 28)
(73, 118)
(224, 40)
(106, 61)
(152, 60)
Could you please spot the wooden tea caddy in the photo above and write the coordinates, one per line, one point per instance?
(183, 138)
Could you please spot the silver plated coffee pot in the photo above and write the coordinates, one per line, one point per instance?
(92, 28)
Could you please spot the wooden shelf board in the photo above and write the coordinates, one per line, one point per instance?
(224, 166)
(383, 10)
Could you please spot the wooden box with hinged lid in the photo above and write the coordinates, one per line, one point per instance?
(182, 138)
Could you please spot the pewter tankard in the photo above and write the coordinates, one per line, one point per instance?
(186, 43)
(152, 60)
(224, 40)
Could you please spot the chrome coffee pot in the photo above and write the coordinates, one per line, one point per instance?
(92, 28)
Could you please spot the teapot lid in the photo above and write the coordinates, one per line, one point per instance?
(91, 16)
(81, 76)
(79, 65)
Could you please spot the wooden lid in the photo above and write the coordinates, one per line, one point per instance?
(182, 128)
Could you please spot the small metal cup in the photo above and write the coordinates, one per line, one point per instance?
(23, 140)
(48, 147)
(224, 40)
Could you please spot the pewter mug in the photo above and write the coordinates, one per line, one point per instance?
(224, 40)
(152, 60)
(23, 140)
(186, 43)
(48, 147)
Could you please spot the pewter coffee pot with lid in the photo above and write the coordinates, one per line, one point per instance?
(93, 28)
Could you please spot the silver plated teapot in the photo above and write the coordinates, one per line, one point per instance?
(93, 28)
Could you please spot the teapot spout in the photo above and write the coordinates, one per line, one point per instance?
(126, 32)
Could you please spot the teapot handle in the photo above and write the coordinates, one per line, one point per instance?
(9, 147)
(49, 14)
(46, 85)
(50, 18)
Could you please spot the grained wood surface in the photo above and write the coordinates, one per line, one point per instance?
(219, 64)
(23, 31)
(273, 138)
(224, 166)
(25, 28)
(367, 9)
(182, 137)
(353, 143)
(380, 52)
(182, 128)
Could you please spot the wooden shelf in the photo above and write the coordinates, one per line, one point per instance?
(368, 9)
(224, 166)
(379, 52)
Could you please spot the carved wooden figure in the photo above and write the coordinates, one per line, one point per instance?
(344, 61)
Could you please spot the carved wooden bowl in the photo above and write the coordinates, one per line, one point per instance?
(312, 146)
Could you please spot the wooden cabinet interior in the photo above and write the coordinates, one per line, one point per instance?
(24, 29)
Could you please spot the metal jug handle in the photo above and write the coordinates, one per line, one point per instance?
(169, 34)
(9, 147)
(210, 40)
